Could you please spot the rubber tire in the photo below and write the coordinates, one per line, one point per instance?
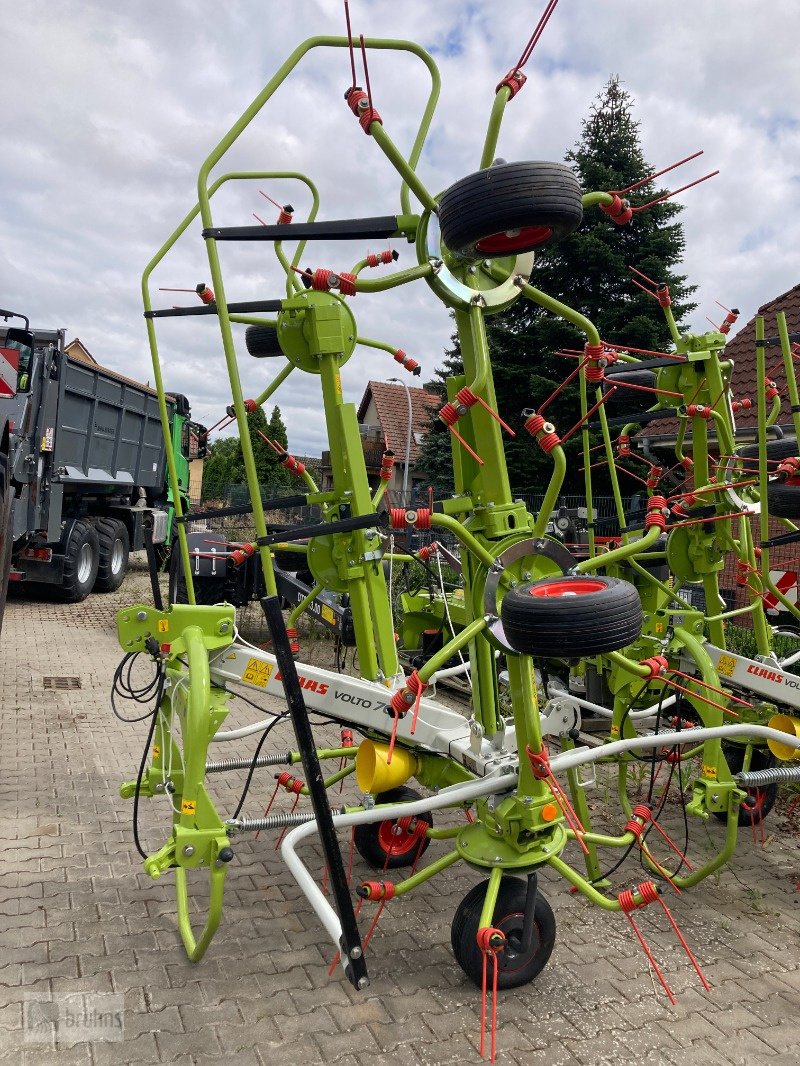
(512, 970)
(776, 449)
(207, 590)
(111, 531)
(73, 590)
(6, 533)
(510, 196)
(262, 342)
(605, 618)
(630, 401)
(759, 760)
(783, 498)
(369, 839)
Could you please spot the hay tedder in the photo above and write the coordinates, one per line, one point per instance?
(515, 772)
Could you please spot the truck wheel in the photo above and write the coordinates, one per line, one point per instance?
(571, 617)
(629, 401)
(776, 450)
(262, 342)
(783, 498)
(81, 559)
(6, 534)
(114, 547)
(515, 966)
(510, 208)
(207, 590)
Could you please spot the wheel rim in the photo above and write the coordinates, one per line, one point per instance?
(400, 844)
(581, 587)
(511, 959)
(117, 554)
(85, 559)
(515, 240)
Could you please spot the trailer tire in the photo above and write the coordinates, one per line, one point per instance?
(113, 550)
(510, 208)
(776, 450)
(629, 401)
(6, 534)
(783, 498)
(207, 590)
(262, 342)
(81, 559)
(571, 617)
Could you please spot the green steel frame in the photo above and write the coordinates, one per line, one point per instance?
(523, 829)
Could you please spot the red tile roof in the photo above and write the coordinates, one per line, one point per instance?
(391, 404)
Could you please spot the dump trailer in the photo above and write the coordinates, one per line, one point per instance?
(83, 465)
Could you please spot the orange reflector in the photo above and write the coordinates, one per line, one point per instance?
(549, 812)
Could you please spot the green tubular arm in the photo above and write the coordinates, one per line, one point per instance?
(467, 634)
(553, 490)
(275, 384)
(196, 735)
(584, 887)
(154, 355)
(481, 353)
(378, 495)
(445, 521)
(393, 281)
(501, 98)
(406, 172)
(772, 417)
(298, 609)
(431, 870)
(788, 366)
(631, 548)
(588, 487)
(203, 194)
(254, 320)
(578, 320)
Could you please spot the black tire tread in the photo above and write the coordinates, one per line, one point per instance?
(509, 196)
(510, 900)
(783, 499)
(108, 529)
(71, 590)
(572, 627)
(624, 401)
(262, 342)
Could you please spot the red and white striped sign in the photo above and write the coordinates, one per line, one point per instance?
(785, 581)
(9, 365)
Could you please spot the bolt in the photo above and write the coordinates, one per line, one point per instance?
(356, 953)
(141, 616)
(224, 627)
(363, 982)
(714, 797)
(188, 850)
(159, 787)
(546, 849)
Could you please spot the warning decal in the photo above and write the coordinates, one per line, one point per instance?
(257, 673)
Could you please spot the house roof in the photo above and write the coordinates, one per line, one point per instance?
(76, 349)
(391, 404)
(742, 350)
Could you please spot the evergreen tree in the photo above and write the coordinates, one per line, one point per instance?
(224, 464)
(589, 272)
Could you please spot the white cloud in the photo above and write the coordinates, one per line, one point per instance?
(109, 110)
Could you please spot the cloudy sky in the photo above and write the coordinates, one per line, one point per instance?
(109, 109)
